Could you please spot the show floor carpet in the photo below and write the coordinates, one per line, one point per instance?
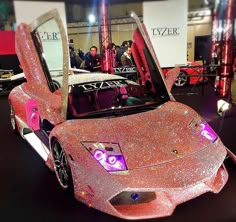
(29, 191)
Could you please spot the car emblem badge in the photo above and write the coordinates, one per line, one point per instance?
(175, 151)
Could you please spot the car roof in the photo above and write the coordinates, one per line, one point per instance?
(92, 77)
(83, 78)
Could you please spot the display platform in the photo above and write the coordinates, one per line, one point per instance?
(8, 80)
(30, 192)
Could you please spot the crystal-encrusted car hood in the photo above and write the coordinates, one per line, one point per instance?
(159, 136)
(148, 138)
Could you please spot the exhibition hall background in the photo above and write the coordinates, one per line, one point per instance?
(85, 34)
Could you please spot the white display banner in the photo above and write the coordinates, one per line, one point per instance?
(51, 47)
(28, 11)
(166, 23)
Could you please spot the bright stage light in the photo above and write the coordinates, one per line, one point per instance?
(91, 18)
(222, 106)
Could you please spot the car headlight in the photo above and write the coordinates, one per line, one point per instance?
(107, 154)
(202, 127)
(208, 132)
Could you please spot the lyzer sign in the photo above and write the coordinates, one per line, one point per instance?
(88, 87)
(50, 36)
(165, 31)
(166, 24)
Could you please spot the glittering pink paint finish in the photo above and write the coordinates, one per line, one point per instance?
(164, 149)
(32, 113)
(49, 103)
(27, 55)
(153, 166)
(171, 76)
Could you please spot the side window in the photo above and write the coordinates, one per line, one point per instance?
(48, 41)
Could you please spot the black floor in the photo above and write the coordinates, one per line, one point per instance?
(30, 192)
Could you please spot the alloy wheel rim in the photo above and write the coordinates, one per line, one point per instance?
(61, 165)
(12, 116)
(181, 79)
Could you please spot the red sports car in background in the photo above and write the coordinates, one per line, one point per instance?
(124, 148)
(189, 74)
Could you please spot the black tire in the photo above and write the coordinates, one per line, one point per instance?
(182, 79)
(13, 120)
(62, 167)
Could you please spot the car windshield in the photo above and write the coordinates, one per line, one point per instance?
(110, 98)
(97, 97)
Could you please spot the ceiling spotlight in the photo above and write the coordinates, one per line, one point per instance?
(222, 106)
(91, 18)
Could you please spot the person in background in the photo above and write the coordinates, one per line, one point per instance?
(117, 48)
(81, 53)
(78, 59)
(129, 43)
(73, 63)
(92, 60)
(112, 49)
(126, 58)
(120, 53)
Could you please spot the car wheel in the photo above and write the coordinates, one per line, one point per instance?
(13, 120)
(62, 167)
(182, 79)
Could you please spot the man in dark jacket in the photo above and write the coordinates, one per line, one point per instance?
(92, 60)
(126, 58)
(120, 53)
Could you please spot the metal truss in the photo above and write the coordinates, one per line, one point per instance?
(113, 21)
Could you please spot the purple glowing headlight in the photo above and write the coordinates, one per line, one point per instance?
(112, 159)
(99, 155)
(207, 132)
(110, 162)
(108, 155)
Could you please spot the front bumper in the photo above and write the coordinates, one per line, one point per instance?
(150, 203)
(153, 191)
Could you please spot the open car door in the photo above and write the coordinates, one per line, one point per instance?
(51, 43)
(148, 64)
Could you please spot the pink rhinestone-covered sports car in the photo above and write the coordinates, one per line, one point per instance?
(125, 148)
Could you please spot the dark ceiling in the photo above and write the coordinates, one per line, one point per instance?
(109, 1)
(86, 2)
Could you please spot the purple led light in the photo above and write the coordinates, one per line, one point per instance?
(112, 160)
(207, 132)
(118, 165)
(99, 155)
